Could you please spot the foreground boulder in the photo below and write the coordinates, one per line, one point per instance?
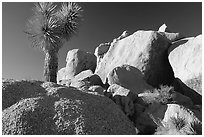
(63, 111)
(145, 50)
(129, 77)
(77, 61)
(13, 91)
(185, 57)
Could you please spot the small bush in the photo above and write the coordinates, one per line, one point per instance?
(179, 122)
(162, 95)
(175, 126)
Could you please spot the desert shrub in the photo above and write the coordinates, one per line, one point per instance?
(179, 122)
(174, 126)
(162, 95)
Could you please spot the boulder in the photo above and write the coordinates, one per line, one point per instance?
(172, 37)
(123, 35)
(195, 84)
(125, 103)
(65, 111)
(13, 91)
(77, 61)
(122, 97)
(65, 82)
(163, 28)
(62, 74)
(182, 88)
(144, 121)
(164, 31)
(116, 89)
(86, 78)
(103, 48)
(82, 75)
(97, 89)
(129, 77)
(185, 57)
(80, 84)
(86, 75)
(181, 99)
(145, 50)
(94, 80)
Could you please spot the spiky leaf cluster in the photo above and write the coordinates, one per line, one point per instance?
(70, 16)
(49, 28)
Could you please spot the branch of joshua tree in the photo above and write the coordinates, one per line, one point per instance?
(54, 26)
(70, 17)
(46, 9)
(48, 29)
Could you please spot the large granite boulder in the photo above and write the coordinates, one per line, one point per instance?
(103, 48)
(129, 77)
(77, 61)
(185, 57)
(64, 111)
(145, 50)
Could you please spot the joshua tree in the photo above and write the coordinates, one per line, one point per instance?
(49, 28)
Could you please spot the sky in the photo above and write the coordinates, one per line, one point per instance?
(102, 22)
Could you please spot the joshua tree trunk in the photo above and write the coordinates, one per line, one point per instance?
(51, 66)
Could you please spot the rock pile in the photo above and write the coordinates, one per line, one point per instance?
(60, 110)
(148, 82)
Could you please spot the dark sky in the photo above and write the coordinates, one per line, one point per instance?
(102, 23)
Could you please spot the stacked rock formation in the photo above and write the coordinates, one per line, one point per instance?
(148, 82)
